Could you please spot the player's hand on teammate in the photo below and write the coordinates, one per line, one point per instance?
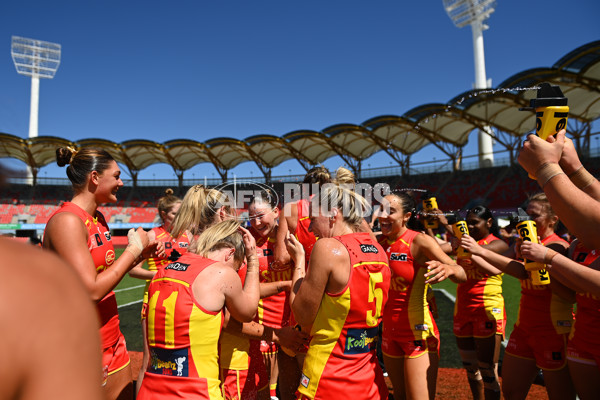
(438, 271)
(158, 251)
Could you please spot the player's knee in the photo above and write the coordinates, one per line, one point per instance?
(488, 374)
(472, 370)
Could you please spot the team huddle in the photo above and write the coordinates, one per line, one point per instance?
(296, 304)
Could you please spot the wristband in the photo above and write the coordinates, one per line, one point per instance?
(135, 252)
(546, 172)
(581, 178)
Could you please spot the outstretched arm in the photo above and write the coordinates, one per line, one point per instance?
(579, 211)
(498, 261)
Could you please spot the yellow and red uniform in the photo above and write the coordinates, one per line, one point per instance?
(115, 356)
(242, 365)
(273, 311)
(341, 356)
(306, 238)
(182, 336)
(584, 340)
(543, 323)
(174, 248)
(409, 329)
(479, 307)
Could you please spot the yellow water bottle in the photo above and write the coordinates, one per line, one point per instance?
(528, 232)
(460, 228)
(428, 205)
(551, 111)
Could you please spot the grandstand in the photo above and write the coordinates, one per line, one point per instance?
(24, 210)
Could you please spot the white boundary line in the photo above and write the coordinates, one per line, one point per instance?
(453, 298)
(129, 288)
(129, 304)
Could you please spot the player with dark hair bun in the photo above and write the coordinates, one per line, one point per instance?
(78, 233)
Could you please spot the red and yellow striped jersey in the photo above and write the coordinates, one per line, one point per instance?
(540, 308)
(173, 248)
(304, 236)
(182, 336)
(587, 321)
(406, 312)
(341, 357)
(273, 311)
(481, 294)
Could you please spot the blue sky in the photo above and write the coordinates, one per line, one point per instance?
(201, 69)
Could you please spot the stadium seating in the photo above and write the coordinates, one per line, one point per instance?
(498, 188)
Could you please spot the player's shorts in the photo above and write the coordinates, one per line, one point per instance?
(402, 348)
(547, 349)
(236, 385)
(479, 326)
(583, 351)
(114, 358)
(244, 384)
(268, 347)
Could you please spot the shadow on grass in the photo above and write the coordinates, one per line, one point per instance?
(131, 326)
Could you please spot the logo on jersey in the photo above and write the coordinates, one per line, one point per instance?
(174, 255)
(305, 381)
(169, 362)
(267, 252)
(368, 248)
(398, 257)
(556, 356)
(359, 341)
(109, 257)
(107, 235)
(564, 324)
(183, 245)
(177, 266)
(421, 327)
(98, 239)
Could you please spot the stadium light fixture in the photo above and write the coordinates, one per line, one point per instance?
(36, 59)
(474, 12)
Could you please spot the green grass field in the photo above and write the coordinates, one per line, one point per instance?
(130, 291)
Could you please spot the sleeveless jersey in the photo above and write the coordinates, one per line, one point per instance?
(174, 248)
(406, 312)
(273, 311)
(542, 310)
(481, 294)
(587, 321)
(103, 253)
(306, 238)
(341, 357)
(234, 350)
(182, 336)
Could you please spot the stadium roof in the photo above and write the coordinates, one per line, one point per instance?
(446, 126)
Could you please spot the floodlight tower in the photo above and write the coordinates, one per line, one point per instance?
(474, 12)
(36, 59)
